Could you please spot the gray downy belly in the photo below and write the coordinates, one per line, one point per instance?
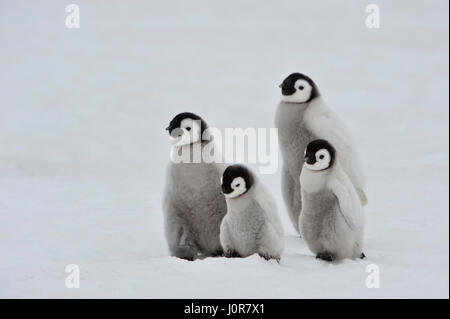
(200, 201)
(247, 232)
(318, 219)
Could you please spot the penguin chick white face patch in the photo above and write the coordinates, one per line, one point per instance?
(302, 92)
(322, 160)
(238, 186)
(189, 132)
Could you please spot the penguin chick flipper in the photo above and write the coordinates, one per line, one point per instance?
(363, 197)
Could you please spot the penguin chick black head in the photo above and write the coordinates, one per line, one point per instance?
(186, 128)
(236, 180)
(319, 155)
(298, 88)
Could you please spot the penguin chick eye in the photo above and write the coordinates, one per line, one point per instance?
(237, 185)
(188, 128)
(322, 156)
(301, 87)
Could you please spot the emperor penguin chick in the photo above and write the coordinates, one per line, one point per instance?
(332, 220)
(251, 224)
(302, 116)
(193, 202)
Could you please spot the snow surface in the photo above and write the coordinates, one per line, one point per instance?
(83, 147)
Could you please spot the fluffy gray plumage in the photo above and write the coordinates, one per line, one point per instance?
(293, 137)
(251, 225)
(300, 123)
(193, 207)
(332, 221)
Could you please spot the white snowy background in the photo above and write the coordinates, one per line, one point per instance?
(83, 148)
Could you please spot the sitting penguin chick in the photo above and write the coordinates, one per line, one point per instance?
(251, 224)
(193, 202)
(332, 220)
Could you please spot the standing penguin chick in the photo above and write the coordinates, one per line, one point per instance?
(332, 220)
(251, 224)
(193, 202)
(302, 116)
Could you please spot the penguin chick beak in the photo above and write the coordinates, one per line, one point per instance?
(280, 86)
(226, 189)
(309, 160)
(175, 132)
(168, 128)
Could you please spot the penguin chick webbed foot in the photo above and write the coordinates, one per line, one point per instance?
(268, 257)
(218, 253)
(326, 256)
(231, 254)
(185, 252)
